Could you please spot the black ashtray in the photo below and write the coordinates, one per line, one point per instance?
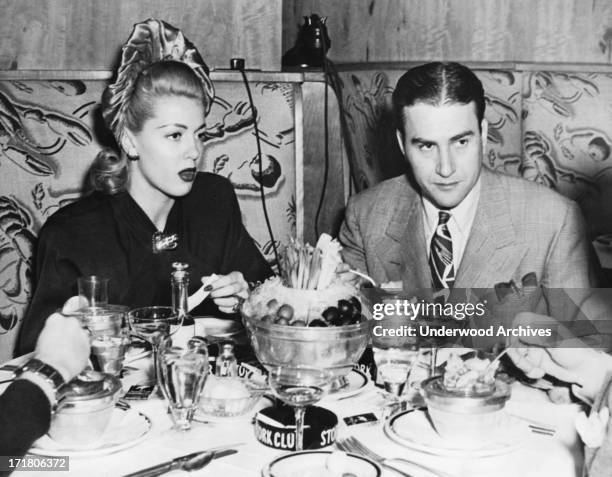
(275, 427)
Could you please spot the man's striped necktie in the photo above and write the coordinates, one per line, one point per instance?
(441, 255)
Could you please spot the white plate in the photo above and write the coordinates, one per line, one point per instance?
(211, 326)
(357, 381)
(312, 464)
(413, 429)
(126, 429)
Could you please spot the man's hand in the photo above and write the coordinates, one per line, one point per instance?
(64, 345)
(228, 291)
(569, 360)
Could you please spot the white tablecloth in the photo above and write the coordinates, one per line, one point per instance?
(540, 456)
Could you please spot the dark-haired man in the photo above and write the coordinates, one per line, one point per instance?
(450, 223)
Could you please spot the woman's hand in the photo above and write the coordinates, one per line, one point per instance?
(228, 291)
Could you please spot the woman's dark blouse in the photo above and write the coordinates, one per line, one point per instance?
(111, 236)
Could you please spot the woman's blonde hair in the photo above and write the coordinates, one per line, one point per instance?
(160, 80)
(157, 61)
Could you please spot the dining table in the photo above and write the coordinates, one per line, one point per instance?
(534, 454)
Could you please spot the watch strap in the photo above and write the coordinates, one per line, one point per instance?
(46, 371)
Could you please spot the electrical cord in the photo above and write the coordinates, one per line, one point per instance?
(259, 155)
(325, 131)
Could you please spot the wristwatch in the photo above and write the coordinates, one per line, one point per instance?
(51, 375)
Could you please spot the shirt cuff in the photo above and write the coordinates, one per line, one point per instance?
(43, 384)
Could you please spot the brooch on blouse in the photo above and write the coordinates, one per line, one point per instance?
(163, 242)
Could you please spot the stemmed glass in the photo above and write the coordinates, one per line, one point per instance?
(182, 372)
(299, 387)
(153, 324)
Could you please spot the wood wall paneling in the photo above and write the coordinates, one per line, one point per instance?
(332, 211)
(564, 31)
(87, 34)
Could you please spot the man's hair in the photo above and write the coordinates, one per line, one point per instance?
(437, 84)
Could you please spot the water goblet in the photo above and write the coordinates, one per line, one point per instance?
(299, 387)
(153, 324)
(182, 373)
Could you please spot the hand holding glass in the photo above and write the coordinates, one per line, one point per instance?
(109, 337)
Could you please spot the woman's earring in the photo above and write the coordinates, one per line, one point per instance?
(128, 147)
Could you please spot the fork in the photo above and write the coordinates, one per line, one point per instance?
(354, 445)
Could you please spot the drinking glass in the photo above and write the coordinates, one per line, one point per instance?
(394, 355)
(299, 387)
(108, 352)
(153, 324)
(182, 374)
(93, 291)
(394, 366)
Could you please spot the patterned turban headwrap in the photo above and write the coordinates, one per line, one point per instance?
(151, 41)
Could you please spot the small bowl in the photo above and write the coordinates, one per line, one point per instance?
(212, 404)
(463, 417)
(85, 412)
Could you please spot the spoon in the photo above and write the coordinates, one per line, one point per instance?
(497, 358)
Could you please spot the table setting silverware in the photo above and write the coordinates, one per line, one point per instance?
(9, 367)
(537, 427)
(355, 446)
(188, 463)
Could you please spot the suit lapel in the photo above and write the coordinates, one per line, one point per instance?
(491, 249)
(405, 245)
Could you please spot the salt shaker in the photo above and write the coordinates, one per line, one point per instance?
(226, 365)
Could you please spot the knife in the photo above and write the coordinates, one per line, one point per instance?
(189, 462)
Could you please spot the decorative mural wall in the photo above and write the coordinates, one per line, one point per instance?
(50, 132)
(554, 128)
